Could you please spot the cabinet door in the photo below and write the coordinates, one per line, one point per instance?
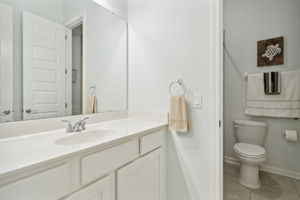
(100, 190)
(142, 179)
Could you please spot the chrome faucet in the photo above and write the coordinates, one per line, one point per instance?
(79, 126)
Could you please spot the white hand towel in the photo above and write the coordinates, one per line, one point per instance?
(178, 118)
(286, 104)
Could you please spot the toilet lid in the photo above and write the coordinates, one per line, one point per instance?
(249, 150)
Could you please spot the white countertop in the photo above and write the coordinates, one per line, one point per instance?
(26, 151)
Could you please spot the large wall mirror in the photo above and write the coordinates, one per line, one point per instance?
(60, 58)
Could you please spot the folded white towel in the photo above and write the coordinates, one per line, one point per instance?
(286, 104)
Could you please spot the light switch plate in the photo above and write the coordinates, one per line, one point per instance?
(197, 100)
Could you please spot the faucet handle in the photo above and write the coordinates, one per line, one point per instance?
(84, 120)
(83, 125)
(66, 121)
(69, 126)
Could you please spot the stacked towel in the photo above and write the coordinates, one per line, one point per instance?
(285, 105)
(178, 118)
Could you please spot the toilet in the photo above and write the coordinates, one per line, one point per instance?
(250, 136)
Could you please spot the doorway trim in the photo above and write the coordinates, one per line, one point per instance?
(220, 38)
(220, 78)
(217, 60)
(74, 22)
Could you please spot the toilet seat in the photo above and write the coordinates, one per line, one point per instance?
(249, 150)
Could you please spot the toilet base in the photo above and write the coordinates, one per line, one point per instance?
(249, 176)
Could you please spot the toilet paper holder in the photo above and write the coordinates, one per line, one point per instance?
(290, 135)
(284, 132)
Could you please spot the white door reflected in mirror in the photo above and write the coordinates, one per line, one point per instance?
(43, 67)
(6, 63)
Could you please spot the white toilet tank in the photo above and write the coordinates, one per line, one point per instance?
(251, 132)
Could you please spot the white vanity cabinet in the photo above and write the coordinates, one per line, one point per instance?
(142, 179)
(128, 169)
(101, 190)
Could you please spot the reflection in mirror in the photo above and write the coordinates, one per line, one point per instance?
(60, 58)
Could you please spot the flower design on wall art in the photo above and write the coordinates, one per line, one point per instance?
(270, 52)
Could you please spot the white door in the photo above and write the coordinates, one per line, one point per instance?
(100, 190)
(6, 63)
(43, 67)
(142, 179)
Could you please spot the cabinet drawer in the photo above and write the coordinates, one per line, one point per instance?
(98, 164)
(47, 185)
(150, 142)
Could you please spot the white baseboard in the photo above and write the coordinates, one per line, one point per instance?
(231, 160)
(267, 168)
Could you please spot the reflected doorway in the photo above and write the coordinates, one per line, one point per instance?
(77, 70)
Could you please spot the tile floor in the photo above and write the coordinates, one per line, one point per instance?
(273, 187)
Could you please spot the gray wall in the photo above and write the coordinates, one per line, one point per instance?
(245, 23)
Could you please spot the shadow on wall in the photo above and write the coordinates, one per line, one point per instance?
(183, 157)
(234, 64)
(186, 149)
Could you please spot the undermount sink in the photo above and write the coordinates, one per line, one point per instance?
(87, 136)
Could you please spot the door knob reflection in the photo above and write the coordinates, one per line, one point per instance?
(6, 112)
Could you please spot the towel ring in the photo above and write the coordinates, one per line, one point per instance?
(92, 89)
(178, 83)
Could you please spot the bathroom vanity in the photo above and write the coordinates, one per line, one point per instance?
(122, 159)
(71, 64)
